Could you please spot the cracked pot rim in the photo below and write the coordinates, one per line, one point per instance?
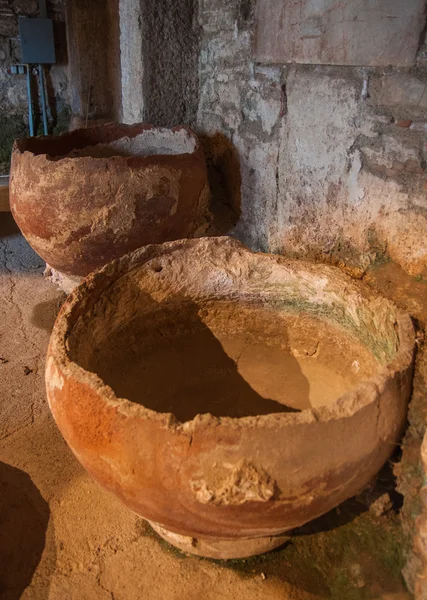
(38, 147)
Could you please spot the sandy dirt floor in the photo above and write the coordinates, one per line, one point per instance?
(62, 537)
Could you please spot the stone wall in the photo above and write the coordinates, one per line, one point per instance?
(13, 92)
(320, 160)
(170, 57)
(159, 44)
(332, 156)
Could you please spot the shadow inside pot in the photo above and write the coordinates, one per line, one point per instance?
(171, 361)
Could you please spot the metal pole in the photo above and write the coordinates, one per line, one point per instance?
(43, 99)
(30, 102)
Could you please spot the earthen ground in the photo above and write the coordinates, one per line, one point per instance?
(64, 537)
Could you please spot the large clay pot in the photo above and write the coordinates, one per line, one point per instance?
(228, 396)
(86, 197)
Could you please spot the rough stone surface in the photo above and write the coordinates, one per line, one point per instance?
(328, 32)
(411, 479)
(159, 48)
(401, 89)
(132, 70)
(409, 294)
(346, 184)
(170, 58)
(92, 195)
(219, 477)
(420, 544)
(320, 168)
(422, 54)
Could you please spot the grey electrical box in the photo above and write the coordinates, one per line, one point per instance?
(37, 44)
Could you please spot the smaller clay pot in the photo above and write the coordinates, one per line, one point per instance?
(86, 197)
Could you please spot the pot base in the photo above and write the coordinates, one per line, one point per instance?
(221, 549)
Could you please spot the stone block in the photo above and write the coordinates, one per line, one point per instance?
(226, 49)
(263, 104)
(222, 98)
(258, 169)
(370, 33)
(422, 53)
(419, 126)
(4, 50)
(218, 16)
(132, 72)
(400, 90)
(394, 156)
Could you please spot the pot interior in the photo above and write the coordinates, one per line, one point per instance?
(107, 141)
(227, 357)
